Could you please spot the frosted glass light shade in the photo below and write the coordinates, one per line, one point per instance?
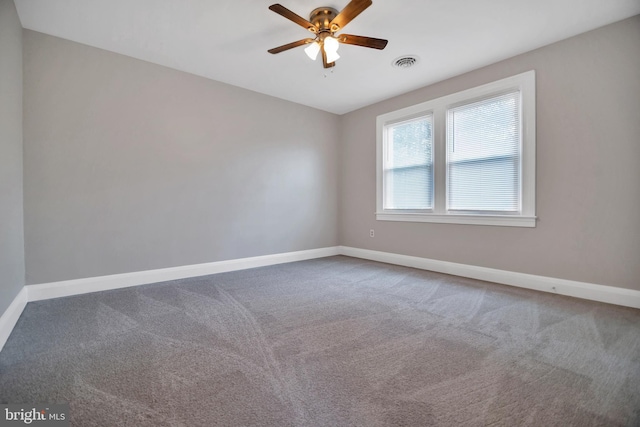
(312, 50)
(332, 56)
(331, 46)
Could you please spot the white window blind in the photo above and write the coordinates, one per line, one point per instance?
(408, 165)
(484, 155)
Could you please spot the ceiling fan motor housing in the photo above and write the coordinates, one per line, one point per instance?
(321, 17)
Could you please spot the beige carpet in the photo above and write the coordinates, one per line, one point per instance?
(329, 342)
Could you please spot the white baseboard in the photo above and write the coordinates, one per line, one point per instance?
(590, 291)
(117, 281)
(11, 315)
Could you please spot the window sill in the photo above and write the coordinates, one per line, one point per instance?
(498, 220)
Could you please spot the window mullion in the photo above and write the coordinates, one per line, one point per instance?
(440, 162)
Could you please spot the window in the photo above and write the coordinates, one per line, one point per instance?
(466, 158)
(408, 165)
(483, 155)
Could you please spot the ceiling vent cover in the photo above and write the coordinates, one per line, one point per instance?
(405, 62)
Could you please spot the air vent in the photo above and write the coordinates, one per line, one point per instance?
(405, 62)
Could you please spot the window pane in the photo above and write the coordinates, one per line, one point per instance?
(483, 155)
(408, 166)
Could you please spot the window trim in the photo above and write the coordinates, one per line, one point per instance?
(525, 83)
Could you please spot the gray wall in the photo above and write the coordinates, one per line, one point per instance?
(588, 173)
(131, 166)
(11, 218)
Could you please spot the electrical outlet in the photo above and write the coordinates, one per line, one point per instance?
(372, 233)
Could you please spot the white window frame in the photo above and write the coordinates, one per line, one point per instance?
(526, 217)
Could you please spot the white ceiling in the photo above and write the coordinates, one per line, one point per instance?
(227, 40)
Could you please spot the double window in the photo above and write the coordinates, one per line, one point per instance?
(465, 158)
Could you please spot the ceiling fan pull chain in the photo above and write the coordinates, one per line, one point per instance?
(330, 72)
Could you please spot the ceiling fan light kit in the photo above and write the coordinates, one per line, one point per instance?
(324, 22)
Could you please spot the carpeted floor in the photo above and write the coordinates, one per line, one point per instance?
(328, 342)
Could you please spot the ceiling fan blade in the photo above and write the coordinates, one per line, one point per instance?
(326, 64)
(283, 11)
(353, 9)
(363, 41)
(289, 46)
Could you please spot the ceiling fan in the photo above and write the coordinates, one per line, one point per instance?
(324, 22)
